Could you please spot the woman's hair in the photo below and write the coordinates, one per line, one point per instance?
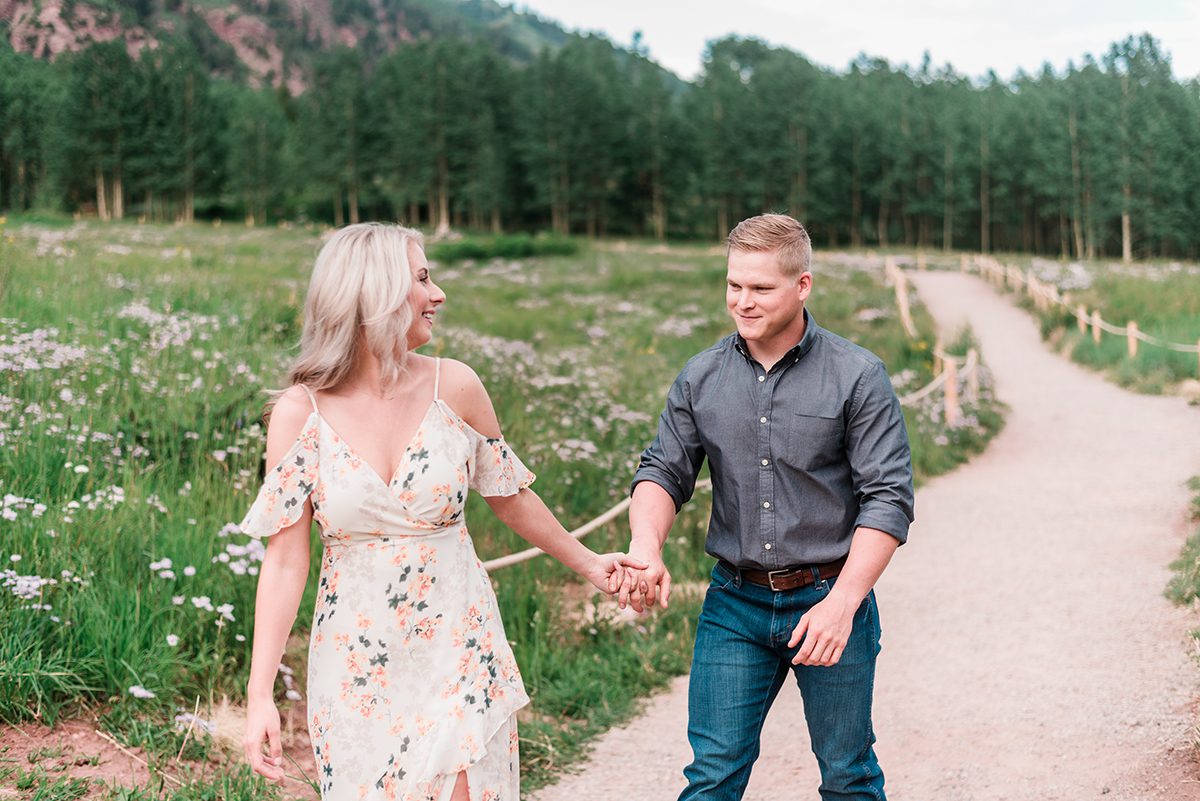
(357, 298)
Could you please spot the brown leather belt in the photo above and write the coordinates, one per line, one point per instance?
(789, 578)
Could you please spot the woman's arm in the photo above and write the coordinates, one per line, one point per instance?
(281, 583)
(525, 512)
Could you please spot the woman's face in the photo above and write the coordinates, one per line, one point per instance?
(425, 298)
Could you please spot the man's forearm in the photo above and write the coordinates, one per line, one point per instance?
(651, 515)
(870, 552)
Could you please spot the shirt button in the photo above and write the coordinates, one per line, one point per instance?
(762, 419)
(766, 462)
(762, 378)
(766, 504)
(767, 546)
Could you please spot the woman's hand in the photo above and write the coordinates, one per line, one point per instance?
(262, 725)
(607, 571)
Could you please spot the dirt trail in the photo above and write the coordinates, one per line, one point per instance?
(1028, 652)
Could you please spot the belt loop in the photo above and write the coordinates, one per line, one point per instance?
(816, 574)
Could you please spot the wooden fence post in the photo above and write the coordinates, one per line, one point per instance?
(950, 391)
(973, 376)
(1096, 326)
(1082, 316)
(921, 264)
(1131, 331)
(902, 303)
(937, 356)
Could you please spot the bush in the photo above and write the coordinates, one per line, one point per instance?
(510, 246)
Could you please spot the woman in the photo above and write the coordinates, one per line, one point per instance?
(412, 686)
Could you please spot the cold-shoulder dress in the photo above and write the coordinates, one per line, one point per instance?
(410, 676)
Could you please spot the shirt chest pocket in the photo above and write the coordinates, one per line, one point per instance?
(816, 438)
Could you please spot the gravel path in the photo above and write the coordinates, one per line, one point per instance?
(1028, 650)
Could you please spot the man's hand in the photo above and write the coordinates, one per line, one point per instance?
(641, 589)
(825, 630)
(607, 571)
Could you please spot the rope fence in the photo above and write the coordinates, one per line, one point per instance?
(1046, 296)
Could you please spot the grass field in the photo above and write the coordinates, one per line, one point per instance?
(133, 361)
(1163, 298)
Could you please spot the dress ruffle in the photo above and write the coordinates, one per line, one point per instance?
(494, 469)
(280, 502)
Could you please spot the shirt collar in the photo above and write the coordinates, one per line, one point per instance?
(802, 347)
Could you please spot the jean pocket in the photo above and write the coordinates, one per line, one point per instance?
(722, 579)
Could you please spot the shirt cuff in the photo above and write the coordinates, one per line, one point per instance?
(885, 517)
(663, 479)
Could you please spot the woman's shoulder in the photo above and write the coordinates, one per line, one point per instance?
(291, 409)
(463, 390)
(458, 376)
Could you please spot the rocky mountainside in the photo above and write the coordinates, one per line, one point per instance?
(270, 41)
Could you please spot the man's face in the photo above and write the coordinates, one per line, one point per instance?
(765, 303)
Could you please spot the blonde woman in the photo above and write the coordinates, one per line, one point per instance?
(412, 686)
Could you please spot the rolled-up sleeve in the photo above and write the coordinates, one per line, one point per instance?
(880, 460)
(674, 459)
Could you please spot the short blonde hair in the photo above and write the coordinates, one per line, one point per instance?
(357, 297)
(774, 233)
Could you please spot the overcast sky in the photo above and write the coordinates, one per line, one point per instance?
(973, 36)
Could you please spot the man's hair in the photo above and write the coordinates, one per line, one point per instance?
(774, 233)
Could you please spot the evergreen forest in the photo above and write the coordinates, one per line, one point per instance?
(1099, 160)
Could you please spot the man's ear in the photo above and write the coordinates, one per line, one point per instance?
(804, 285)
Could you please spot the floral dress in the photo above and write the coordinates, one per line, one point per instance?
(410, 676)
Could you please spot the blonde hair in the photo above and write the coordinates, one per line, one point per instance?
(774, 233)
(357, 298)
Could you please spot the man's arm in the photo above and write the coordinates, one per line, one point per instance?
(826, 627)
(881, 472)
(664, 481)
(651, 515)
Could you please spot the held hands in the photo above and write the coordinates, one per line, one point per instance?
(825, 630)
(608, 571)
(262, 725)
(643, 588)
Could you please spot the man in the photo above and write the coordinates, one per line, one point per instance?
(812, 494)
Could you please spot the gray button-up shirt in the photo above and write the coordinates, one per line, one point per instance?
(800, 456)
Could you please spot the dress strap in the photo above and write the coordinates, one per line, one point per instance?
(311, 396)
(437, 375)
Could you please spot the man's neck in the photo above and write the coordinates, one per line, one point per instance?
(769, 353)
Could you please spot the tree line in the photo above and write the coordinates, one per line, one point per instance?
(1102, 159)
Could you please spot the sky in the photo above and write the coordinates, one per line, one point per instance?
(972, 35)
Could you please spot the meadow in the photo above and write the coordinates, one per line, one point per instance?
(1162, 297)
(133, 364)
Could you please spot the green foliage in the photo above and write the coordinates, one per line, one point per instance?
(1184, 587)
(512, 246)
(1163, 299)
(495, 120)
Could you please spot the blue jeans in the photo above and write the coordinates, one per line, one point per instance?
(740, 662)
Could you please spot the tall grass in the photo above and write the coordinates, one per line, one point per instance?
(1162, 298)
(132, 367)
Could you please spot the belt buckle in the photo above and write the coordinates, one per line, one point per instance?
(782, 574)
